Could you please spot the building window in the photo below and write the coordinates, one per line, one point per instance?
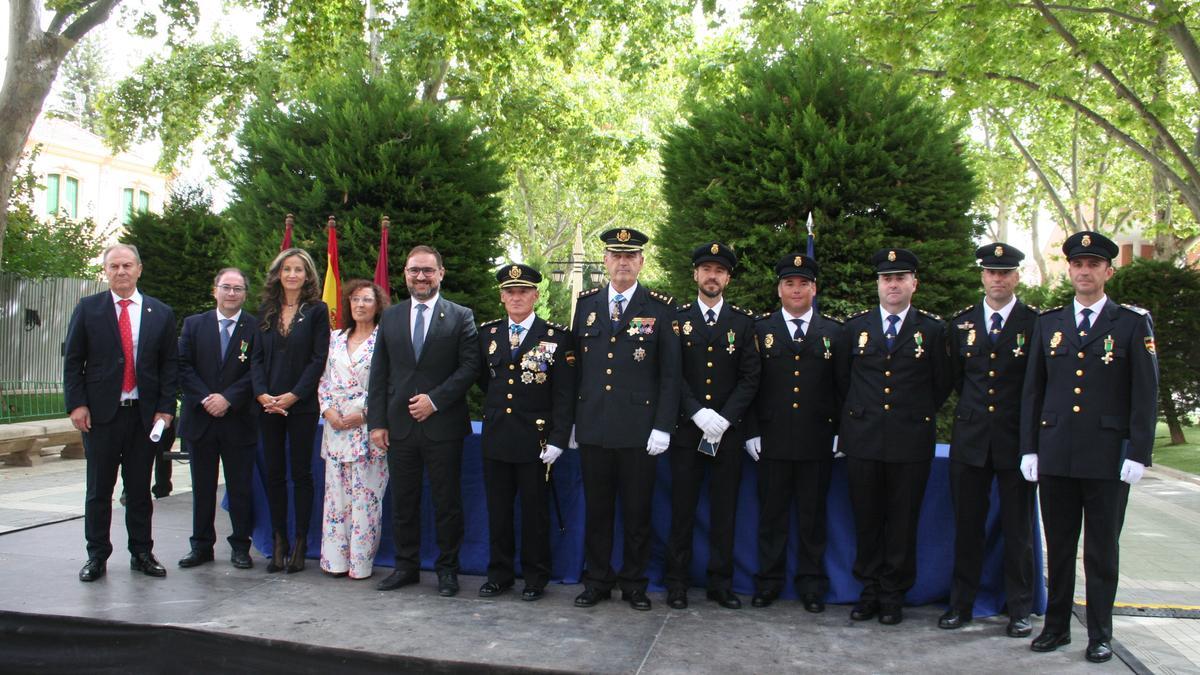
(143, 201)
(62, 195)
(127, 204)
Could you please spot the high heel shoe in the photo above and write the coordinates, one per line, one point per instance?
(296, 562)
(279, 554)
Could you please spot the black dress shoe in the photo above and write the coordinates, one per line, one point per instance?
(890, 615)
(636, 600)
(196, 558)
(146, 564)
(590, 596)
(398, 579)
(491, 589)
(813, 603)
(241, 560)
(677, 598)
(448, 584)
(532, 593)
(93, 569)
(763, 598)
(1098, 651)
(296, 559)
(1019, 627)
(954, 618)
(864, 610)
(1048, 641)
(725, 598)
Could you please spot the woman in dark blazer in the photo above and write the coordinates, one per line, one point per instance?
(289, 358)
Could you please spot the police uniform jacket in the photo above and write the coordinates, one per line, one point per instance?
(538, 384)
(720, 367)
(892, 396)
(988, 380)
(1090, 403)
(798, 403)
(629, 379)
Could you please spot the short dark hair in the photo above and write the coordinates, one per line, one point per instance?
(422, 248)
(226, 270)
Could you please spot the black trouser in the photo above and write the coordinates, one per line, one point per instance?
(224, 444)
(504, 481)
(779, 481)
(688, 467)
(608, 472)
(407, 460)
(886, 500)
(1100, 506)
(119, 443)
(288, 443)
(971, 489)
(162, 466)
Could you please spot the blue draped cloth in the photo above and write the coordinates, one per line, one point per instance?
(935, 537)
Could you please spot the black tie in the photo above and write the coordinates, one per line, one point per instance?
(890, 333)
(712, 317)
(798, 334)
(994, 333)
(1086, 324)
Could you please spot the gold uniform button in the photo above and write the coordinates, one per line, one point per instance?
(888, 357)
(608, 387)
(991, 392)
(708, 381)
(1043, 422)
(613, 339)
(1078, 390)
(993, 355)
(708, 397)
(795, 390)
(887, 390)
(511, 367)
(510, 380)
(991, 373)
(710, 364)
(991, 408)
(610, 355)
(795, 405)
(926, 419)
(887, 373)
(797, 357)
(886, 406)
(796, 373)
(1081, 355)
(608, 371)
(508, 410)
(710, 348)
(509, 397)
(1075, 408)
(1079, 373)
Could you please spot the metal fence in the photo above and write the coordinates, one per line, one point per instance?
(33, 325)
(26, 401)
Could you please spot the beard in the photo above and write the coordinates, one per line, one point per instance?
(711, 294)
(422, 296)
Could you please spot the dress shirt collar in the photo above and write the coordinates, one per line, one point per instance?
(221, 317)
(1004, 311)
(805, 317)
(136, 298)
(1096, 309)
(884, 314)
(715, 308)
(627, 294)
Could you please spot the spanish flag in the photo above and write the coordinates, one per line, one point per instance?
(332, 293)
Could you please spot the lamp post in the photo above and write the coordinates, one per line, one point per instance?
(573, 270)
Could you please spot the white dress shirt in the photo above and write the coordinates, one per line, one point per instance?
(135, 325)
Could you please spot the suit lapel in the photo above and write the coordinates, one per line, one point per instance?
(704, 333)
(403, 310)
(1103, 324)
(532, 337)
(149, 324)
(633, 308)
(907, 329)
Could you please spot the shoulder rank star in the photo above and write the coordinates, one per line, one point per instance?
(731, 336)
(920, 340)
(1020, 343)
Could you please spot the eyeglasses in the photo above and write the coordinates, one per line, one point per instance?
(418, 271)
(363, 300)
(226, 288)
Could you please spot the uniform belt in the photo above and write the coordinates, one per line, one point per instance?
(128, 403)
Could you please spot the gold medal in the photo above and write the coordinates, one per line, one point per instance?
(639, 354)
(730, 336)
(1020, 343)
(769, 340)
(1108, 350)
(492, 347)
(920, 340)
(527, 377)
(826, 341)
(591, 318)
(687, 327)
(862, 340)
(540, 378)
(971, 337)
(1056, 339)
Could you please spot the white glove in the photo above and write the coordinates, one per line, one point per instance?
(551, 453)
(658, 442)
(836, 452)
(706, 419)
(754, 447)
(573, 444)
(1131, 471)
(1029, 467)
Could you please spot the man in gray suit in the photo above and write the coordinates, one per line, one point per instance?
(426, 358)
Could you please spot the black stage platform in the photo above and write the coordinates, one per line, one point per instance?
(217, 619)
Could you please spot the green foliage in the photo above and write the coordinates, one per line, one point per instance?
(1055, 293)
(181, 250)
(808, 129)
(361, 147)
(37, 248)
(81, 79)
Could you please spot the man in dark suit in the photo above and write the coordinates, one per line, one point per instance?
(792, 425)
(219, 416)
(528, 378)
(120, 375)
(989, 346)
(1088, 412)
(628, 402)
(895, 374)
(426, 358)
(720, 376)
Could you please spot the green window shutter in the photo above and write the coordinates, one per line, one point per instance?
(143, 201)
(52, 193)
(71, 197)
(126, 205)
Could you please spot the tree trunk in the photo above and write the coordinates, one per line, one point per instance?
(1171, 415)
(1037, 245)
(1002, 220)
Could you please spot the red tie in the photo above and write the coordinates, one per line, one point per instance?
(129, 381)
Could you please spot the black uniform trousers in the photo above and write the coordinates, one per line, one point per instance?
(607, 473)
(287, 442)
(688, 467)
(971, 489)
(223, 444)
(779, 482)
(886, 499)
(407, 460)
(1099, 504)
(121, 443)
(504, 482)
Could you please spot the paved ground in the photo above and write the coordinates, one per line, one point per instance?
(1160, 568)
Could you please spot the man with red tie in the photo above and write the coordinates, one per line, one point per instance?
(119, 382)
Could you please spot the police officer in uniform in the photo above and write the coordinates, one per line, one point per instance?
(629, 383)
(528, 380)
(1087, 428)
(720, 376)
(989, 346)
(793, 422)
(895, 373)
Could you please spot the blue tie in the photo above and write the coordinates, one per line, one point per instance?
(418, 337)
(514, 339)
(618, 307)
(710, 317)
(994, 333)
(226, 333)
(890, 333)
(1086, 324)
(799, 332)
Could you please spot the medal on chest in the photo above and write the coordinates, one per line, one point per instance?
(1108, 350)
(731, 336)
(920, 340)
(1020, 344)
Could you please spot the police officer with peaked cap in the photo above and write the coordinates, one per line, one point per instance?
(1087, 429)
(627, 404)
(894, 373)
(720, 376)
(528, 379)
(989, 347)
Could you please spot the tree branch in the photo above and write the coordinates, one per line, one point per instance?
(1132, 18)
(1180, 36)
(94, 16)
(1036, 167)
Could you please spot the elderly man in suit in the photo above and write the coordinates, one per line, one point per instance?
(426, 358)
(220, 418)
(120, 374)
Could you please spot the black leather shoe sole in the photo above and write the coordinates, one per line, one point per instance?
(531, 594)
(447, 588)
(93, 570)
(150, 568)
(195, 559)
(1020, 628)
(590, 597)
(1048, 642)
(1099, 652)
(953, 620)
(241, 560)
(491, 590)
(397, 580)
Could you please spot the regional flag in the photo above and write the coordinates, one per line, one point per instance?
(287, 232)
(332, 293)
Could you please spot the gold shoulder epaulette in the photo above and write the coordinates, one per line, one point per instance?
(664, 299)
(485, 324)
(742, 311)
(558, 326)
(1052, 309)
(685, 307)
(964, 310)
(764, 316)
(930, 315)
(590, 291)
(1136, 310)
(857, 314)
(834, 319)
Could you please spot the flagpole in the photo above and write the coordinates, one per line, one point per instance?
(381, 265)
